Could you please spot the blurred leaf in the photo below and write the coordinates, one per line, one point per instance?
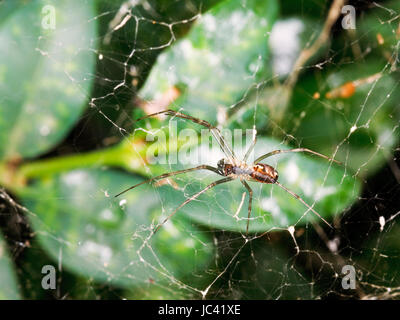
(276, 271)
(361, 125)
(8, 281)
(148, 26)
(313, 8)
(45, 75)
(268, 104)
(379, 262)
(223, 56)
(107, 238)
(318, 182)
(289, 37)
(7, 8)
(379, 28)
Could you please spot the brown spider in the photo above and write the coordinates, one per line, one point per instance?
(231, 168)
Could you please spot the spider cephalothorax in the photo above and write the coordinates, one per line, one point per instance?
(225, 167)
(232, 168)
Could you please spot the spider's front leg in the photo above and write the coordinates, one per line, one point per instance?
(214, 130)
(181, 115)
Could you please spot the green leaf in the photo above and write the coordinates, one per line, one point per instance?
(109, 239)
(8, 281)
(362, 126)
(225, 54)
(380, 253)
(313, 9)
(278, 273)
(381, 23)
(45, 74)
(268, 104)
(7, 8)
(327, 186)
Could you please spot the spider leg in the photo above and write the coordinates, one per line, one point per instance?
(250, 202)
(169, 174)
(303, 202)
(250, 150)
(214, 130)
(173, 113)
(294, 150)
(193, 197)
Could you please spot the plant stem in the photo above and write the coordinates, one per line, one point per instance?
(130, 155)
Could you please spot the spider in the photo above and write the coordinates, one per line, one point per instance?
(231, 168)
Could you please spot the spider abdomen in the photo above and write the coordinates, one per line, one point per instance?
(264, 173)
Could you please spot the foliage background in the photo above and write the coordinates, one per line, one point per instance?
(68, 142)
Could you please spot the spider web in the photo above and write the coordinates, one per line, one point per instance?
(299, 260)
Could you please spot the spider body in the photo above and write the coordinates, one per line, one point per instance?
(259, 172)
(232, 168)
